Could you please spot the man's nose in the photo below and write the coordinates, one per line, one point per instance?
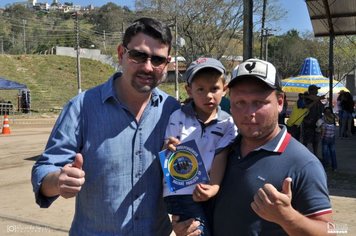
(147, 65)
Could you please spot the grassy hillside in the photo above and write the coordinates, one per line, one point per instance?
(52, 79)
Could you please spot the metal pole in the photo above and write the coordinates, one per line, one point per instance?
(266, 57)
(247, 29)
(331, 69)
(2, 45)
(24, 35)
(78, 53)
(104, 43)
(176, 60)
(263, 26)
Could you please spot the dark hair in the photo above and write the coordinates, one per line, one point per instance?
(328, 108)
(150, 27)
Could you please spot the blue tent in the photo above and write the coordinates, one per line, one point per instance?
(10, 85)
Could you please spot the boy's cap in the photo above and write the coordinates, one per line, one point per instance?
(201, 63)
(259, 69)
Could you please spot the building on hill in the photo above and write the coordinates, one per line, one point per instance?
(54, 6)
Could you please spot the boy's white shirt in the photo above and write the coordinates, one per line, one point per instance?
(184, 125)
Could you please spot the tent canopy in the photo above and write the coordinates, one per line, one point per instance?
(309, 74)
(10, 85)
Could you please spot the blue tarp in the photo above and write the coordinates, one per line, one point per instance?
(8, 84)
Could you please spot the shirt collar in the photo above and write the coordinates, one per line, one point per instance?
(278, 144)
(108, 88)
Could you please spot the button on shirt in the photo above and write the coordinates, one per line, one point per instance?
(122, 193)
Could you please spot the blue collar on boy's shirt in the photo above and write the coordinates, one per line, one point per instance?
(108, 91)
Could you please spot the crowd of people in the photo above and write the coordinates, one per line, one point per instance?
(104, 150)
(311, 122)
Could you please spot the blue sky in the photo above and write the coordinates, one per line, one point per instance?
(297, 17)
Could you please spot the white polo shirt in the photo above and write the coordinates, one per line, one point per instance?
(210, 138)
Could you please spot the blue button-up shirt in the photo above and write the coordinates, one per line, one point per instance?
(122, 193)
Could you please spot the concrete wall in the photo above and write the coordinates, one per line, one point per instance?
(94, 54)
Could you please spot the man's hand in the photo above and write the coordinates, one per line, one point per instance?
(272, 205)
(185, 228)
(204, 192)
(71, 178)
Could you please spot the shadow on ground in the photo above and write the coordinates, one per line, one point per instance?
(34, 158)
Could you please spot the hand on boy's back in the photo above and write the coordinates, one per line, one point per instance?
(171, 143)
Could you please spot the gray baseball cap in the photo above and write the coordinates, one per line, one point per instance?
(259, 69)
(201, 63)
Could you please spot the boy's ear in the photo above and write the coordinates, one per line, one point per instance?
(225, 89)
(188, 89)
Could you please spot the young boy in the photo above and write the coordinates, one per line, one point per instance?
(213, 129)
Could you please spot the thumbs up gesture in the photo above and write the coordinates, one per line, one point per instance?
(71, 178)
(272, 205)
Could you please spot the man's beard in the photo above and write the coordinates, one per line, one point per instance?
(146, 87)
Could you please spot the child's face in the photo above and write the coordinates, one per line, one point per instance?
(206, 91)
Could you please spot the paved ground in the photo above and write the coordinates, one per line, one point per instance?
(19, 215)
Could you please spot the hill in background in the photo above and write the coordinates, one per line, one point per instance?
(51, 79)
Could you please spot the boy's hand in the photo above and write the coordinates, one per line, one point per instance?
(204, 192)
(171, 143)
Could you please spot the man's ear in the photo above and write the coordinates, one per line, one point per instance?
(280, 100)
(120, 52)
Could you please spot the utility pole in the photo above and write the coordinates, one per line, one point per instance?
(75, 15)
(24, 35)
(265, 34)
(263, 25)
(176, 59)
(2, 45)
(247, 29)
(104, 44)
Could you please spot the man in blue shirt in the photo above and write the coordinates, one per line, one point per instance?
(103, 148)
(273, 185)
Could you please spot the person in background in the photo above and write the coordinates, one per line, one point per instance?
(340, 112)
(212, 129)
(225, 104)
(328, 128)
(299, 111)
(104, 147)
(273, 185)
(283, 114)
(347, 106)
(309, 128)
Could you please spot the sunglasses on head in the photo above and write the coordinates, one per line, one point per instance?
(141, 57)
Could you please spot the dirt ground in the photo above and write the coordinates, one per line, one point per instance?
(19, 215)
